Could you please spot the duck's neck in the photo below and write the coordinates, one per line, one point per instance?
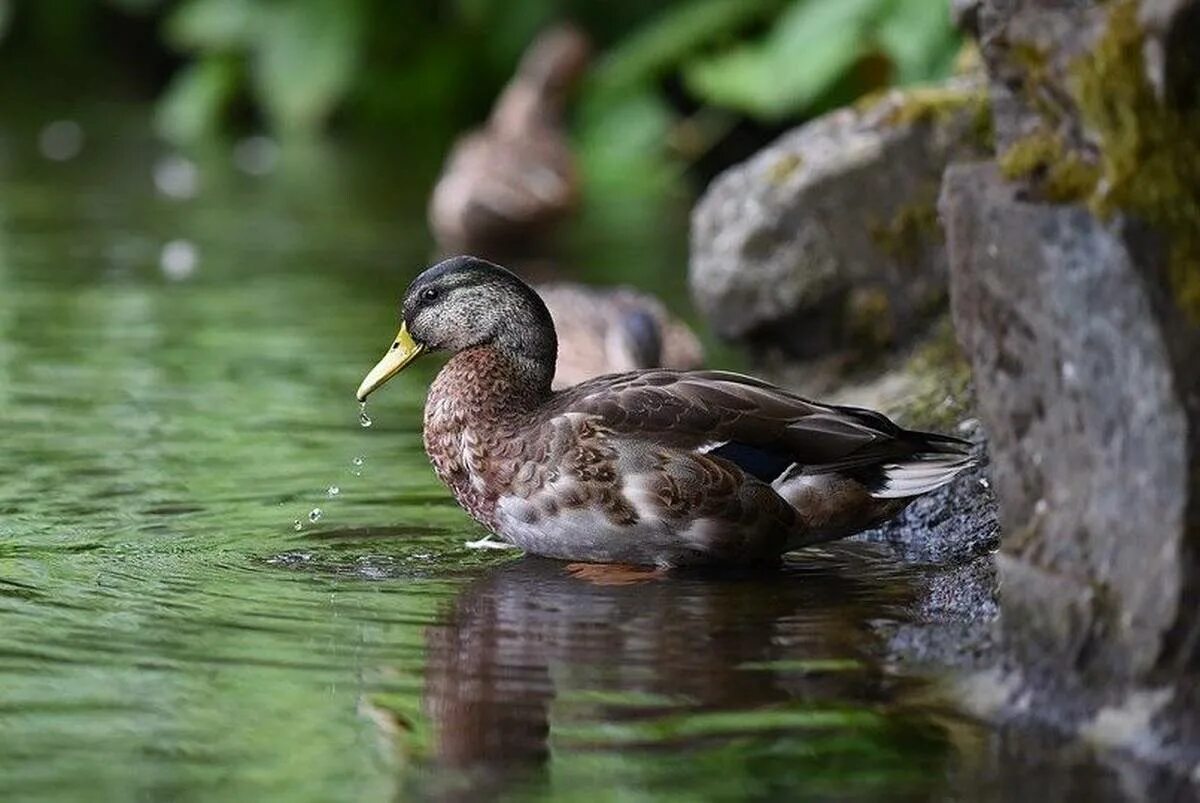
(475, 407)
(524, 108)
(488, 384)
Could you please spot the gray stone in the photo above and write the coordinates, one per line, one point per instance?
(829, 235)
(1029, 47)
(965, 15)
(1087, 381)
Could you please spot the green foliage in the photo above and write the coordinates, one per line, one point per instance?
(298, 63)
(213, 25)
(302, 58)
(623, 140)
(193, 104)
(809, 47)
(305, 59)
(646, 54)
(815, 44)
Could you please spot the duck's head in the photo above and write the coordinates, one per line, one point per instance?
(463, 303)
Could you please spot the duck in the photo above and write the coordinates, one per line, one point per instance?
(509, 182)
(609, 330)
(655, 467)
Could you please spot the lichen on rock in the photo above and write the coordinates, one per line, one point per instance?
(1092, 128)
(1059, 174)
(1149, 151)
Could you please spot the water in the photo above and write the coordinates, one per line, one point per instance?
(171, 630)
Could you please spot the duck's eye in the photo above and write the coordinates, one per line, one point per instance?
(429, 294)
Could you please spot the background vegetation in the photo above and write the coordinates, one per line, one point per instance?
(693, 79)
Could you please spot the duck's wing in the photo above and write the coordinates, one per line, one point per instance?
(764, 429)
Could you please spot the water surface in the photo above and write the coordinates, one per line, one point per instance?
(167, 633)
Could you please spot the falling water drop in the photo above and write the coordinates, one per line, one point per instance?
(363, 419)
(356, 466)
(333, 490)
(314, 514)
(298, 526)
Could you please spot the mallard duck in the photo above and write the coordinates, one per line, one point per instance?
(611, 330)
(654, 467)
(512, 179)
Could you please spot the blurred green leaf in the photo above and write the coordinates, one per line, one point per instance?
(810, 47)
(623, 140)
(671, 37)
(919, 38)
(305, 60)
(510, 27)
(213, 24)
(194, 102)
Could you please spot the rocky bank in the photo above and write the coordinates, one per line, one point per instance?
(1067, 235)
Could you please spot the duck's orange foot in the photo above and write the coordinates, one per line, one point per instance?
(614, 574)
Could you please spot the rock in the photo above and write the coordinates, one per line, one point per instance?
(1085, 370)
(1029, 47)
(965, 15)
(829, 237)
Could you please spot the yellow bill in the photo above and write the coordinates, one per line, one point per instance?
(403, 351)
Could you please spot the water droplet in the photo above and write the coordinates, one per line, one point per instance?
(363, 418)
(298, 526)
(314, 514)
(334, 490)
(356, 466)
(358, 461)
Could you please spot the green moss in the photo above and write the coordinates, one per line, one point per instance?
(942, 396)
(1037, 85)
(1143, 156)
(1149, 159)
(1060, 174)
(936, 104)
(968, 60)
(911, 229)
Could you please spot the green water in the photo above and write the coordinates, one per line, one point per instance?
(166, 633)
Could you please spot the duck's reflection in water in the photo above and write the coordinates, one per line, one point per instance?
(538, 654)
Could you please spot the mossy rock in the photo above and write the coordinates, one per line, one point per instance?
(1101, 136)
(1149, 151)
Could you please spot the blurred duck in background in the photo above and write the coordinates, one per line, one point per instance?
(610, 331)
(509, 182)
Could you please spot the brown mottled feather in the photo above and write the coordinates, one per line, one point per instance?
(570, 452)
(700, 407)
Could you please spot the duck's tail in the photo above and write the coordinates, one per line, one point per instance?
(937, 460)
